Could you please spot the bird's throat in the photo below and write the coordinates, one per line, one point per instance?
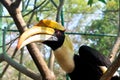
(64, 55)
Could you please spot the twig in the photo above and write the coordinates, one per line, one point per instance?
(54, 3)
(32, 15)
(61, 2)
(11, 42)
(34, 8)
(21, 61)
(27, 5)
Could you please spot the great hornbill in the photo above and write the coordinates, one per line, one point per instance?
(88, 65)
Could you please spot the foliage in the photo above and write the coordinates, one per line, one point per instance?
(92, 16)
(107, 25)
(90, 2)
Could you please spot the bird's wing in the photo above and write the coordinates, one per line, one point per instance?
(89, 54)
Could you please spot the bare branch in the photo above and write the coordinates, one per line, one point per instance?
(21, 62)
(115, 49)
(19, 67)
(112, 69)
(51, 60)
(116, 63)
(6, 67)
(54, 3)
(11, 42)
(32, 15)
(32, 48)
(35, 8)
(61, 2)
(6, 2)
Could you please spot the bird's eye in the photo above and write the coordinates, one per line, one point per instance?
(58, 32)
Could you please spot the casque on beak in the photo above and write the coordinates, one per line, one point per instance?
(44, 30)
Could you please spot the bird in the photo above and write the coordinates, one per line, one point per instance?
(88, 64)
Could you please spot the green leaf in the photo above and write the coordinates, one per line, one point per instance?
(37, 18)
(90, 2)
(103, 1)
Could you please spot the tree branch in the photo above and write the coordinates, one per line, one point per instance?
(61, 2)
(112, 69)
(45, 1)
(6, 67)
(32, 48)
(115, 49)
(19, 67)
(54, 3)
(51, 60)
(116, 63)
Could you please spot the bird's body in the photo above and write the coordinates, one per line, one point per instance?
(89, 64)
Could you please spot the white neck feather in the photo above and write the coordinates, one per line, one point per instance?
(64, 55)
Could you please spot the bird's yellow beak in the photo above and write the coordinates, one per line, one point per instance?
(43, 31)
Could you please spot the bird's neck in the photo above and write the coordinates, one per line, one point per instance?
(64, 55)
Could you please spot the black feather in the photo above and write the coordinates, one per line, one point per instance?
(87, 64)
(115, 78)
(56, 44)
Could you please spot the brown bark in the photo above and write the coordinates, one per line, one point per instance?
(116, 62)
(19, 67)
(13, 9)
(116, 46)
(51, 61)
(115, 49)
(112, 69)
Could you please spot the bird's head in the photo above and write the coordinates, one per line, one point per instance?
(52, 34)
(46, 31)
